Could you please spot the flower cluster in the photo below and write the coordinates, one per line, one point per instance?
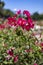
(19, 46)
(17, 20)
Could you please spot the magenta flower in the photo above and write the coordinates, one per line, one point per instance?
(30, 22)
(35, 64)
(15, 59)
(2, 26)
(10, 52)
(26, 13)
(12, 22)
(19, 12)
(27, 27)
(41, 44)
(24, 23)
(19, 21)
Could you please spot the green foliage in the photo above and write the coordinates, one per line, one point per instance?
(37, 16)
(2, 4)
(21, 41)
(5, 12)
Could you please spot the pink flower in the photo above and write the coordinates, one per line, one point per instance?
(27, 27)
(35, 64)
(27, 50)
(19, 12)
(12, 22)
(25, 24)
(41, 44)
(27, 13)
(30, 22)
(10, 52)
(10, 19)
(2, 26)
(19, 21)
(15, 59)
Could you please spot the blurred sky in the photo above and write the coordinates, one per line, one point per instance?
(31, 5)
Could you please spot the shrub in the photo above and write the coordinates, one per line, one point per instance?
(18, 46)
